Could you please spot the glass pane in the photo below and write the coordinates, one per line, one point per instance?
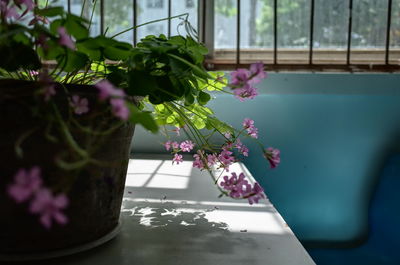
(149, 10)
(256, 30)
(225, 29)
(118, 16)
(330, 31)
(76, 8)
(394, 56)
(293, 30)
(369, 30)
(179, 7)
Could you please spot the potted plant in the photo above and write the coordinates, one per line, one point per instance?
(68, 106)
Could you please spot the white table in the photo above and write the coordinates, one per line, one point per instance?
(171, 216)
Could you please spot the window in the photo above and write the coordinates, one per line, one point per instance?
(190, 4)
(341, 35)
(155, 3)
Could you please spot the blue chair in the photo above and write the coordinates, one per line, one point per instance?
(382, 246)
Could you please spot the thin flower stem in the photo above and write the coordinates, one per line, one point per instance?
(91, 16)
(150, 22)
(202, 140)
(67, 134)
(83, 7)
(169, 106)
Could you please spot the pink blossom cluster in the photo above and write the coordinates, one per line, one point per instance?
(79, 105)
(273, 156)
(65, 39)
(27, 186)
(17, 9)
(252, 131)
(9, 9)
(116, 97)
(239, 187)
(175, 147)
(243, 81)
(211, 159)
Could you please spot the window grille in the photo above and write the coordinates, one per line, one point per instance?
(307, 53)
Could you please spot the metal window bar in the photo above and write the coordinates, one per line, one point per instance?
(134, 22)
(389, 21)
(102, 16)
(238, 33)
(275, 31)
(69, 6)
(350, 25)
(169, 20)
(311, 52)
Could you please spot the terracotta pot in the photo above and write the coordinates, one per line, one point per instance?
(95, 191)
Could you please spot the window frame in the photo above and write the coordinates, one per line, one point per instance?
(353, 59)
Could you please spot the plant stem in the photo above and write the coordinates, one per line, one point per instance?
(150, 22)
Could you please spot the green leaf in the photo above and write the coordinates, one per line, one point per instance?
(189, 99)
(118, 51)
(142, 117)
(75, 27)
(203, 98)
(50, 11)
(91, 50)
(196, 69)
(73, 61)
(55, 25)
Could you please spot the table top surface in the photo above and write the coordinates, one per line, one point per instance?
(171, 214)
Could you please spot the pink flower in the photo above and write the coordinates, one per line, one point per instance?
(226, 158)
(33, 73)
(256, 194)
(80, 105)
(242, 148)
(239, 77)
(168, 145)
(248, 123)
(257, 72)
(227, 146)
(187, 146)
(252, 131)
(243, 81)
(30, 5)
(9, 12)
(244, 92)
(49, 207)
(198, 163)
(237, 186)
(26, 183)
(175, 145)
(211, 159)
(108, 90)
(65, 39)
(228, 135)
(177, 158)
(119, 108)
(273, 156)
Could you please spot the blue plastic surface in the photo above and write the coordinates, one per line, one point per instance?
(382, 246)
